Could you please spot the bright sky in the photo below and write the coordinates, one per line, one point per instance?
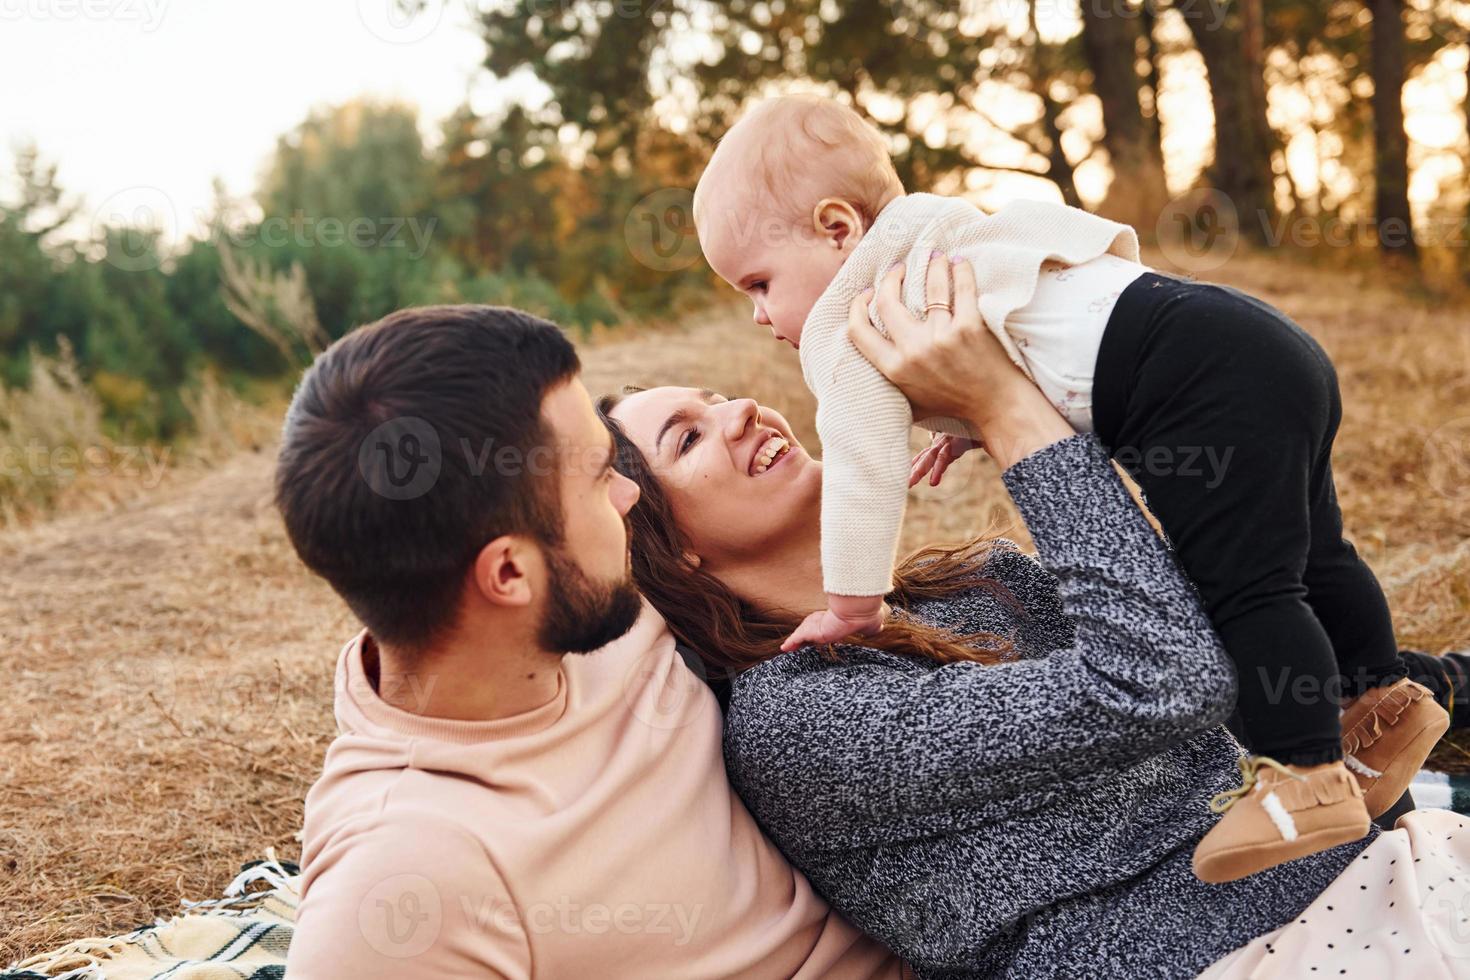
(143, 103)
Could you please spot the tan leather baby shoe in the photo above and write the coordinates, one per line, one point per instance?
(1279, 813)
(1387, 733)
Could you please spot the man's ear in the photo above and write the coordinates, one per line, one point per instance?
(837, 223)
(504, 568)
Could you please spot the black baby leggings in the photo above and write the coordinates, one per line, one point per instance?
(1224, 412)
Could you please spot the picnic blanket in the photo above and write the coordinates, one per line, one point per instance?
(241, 936)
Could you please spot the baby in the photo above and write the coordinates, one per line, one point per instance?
(1221, 408)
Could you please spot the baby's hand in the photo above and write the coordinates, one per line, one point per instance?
(844, 616)
(934, 460)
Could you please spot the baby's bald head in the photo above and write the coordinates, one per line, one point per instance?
(787, 196)
(786, 154)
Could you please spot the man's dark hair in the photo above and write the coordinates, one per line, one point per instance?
(412, 443)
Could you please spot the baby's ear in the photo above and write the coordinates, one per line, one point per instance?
(837, 222)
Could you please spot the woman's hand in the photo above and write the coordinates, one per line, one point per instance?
(949, 364)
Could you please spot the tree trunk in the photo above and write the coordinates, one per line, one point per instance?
(1147, 19)
(1059, 169)
(1137, 193)
(1390, 142)
(1226, 34)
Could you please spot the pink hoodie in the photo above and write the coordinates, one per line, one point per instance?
(595, 836)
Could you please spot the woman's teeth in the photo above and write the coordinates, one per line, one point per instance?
(769, 453)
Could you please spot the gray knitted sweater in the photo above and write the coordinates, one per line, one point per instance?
(1034, 818)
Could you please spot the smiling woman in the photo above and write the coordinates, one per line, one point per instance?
(702, 437)
(740, 574)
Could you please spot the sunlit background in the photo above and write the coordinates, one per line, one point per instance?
(150, 96)
(200, 193)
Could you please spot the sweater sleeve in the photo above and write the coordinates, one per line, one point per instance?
(1145, 671)
(864, 423)
(407, 898)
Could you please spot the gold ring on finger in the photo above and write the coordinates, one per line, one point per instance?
(928, 307)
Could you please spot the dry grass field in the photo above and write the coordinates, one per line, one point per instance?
(168, 665)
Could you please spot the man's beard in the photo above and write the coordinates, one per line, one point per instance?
(582, 615)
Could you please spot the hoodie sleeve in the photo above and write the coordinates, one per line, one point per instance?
(397, 900)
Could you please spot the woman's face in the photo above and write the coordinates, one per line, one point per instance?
(710, 455)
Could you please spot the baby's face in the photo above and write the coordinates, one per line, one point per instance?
(782, 266)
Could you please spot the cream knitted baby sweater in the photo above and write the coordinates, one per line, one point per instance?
(863, 420)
